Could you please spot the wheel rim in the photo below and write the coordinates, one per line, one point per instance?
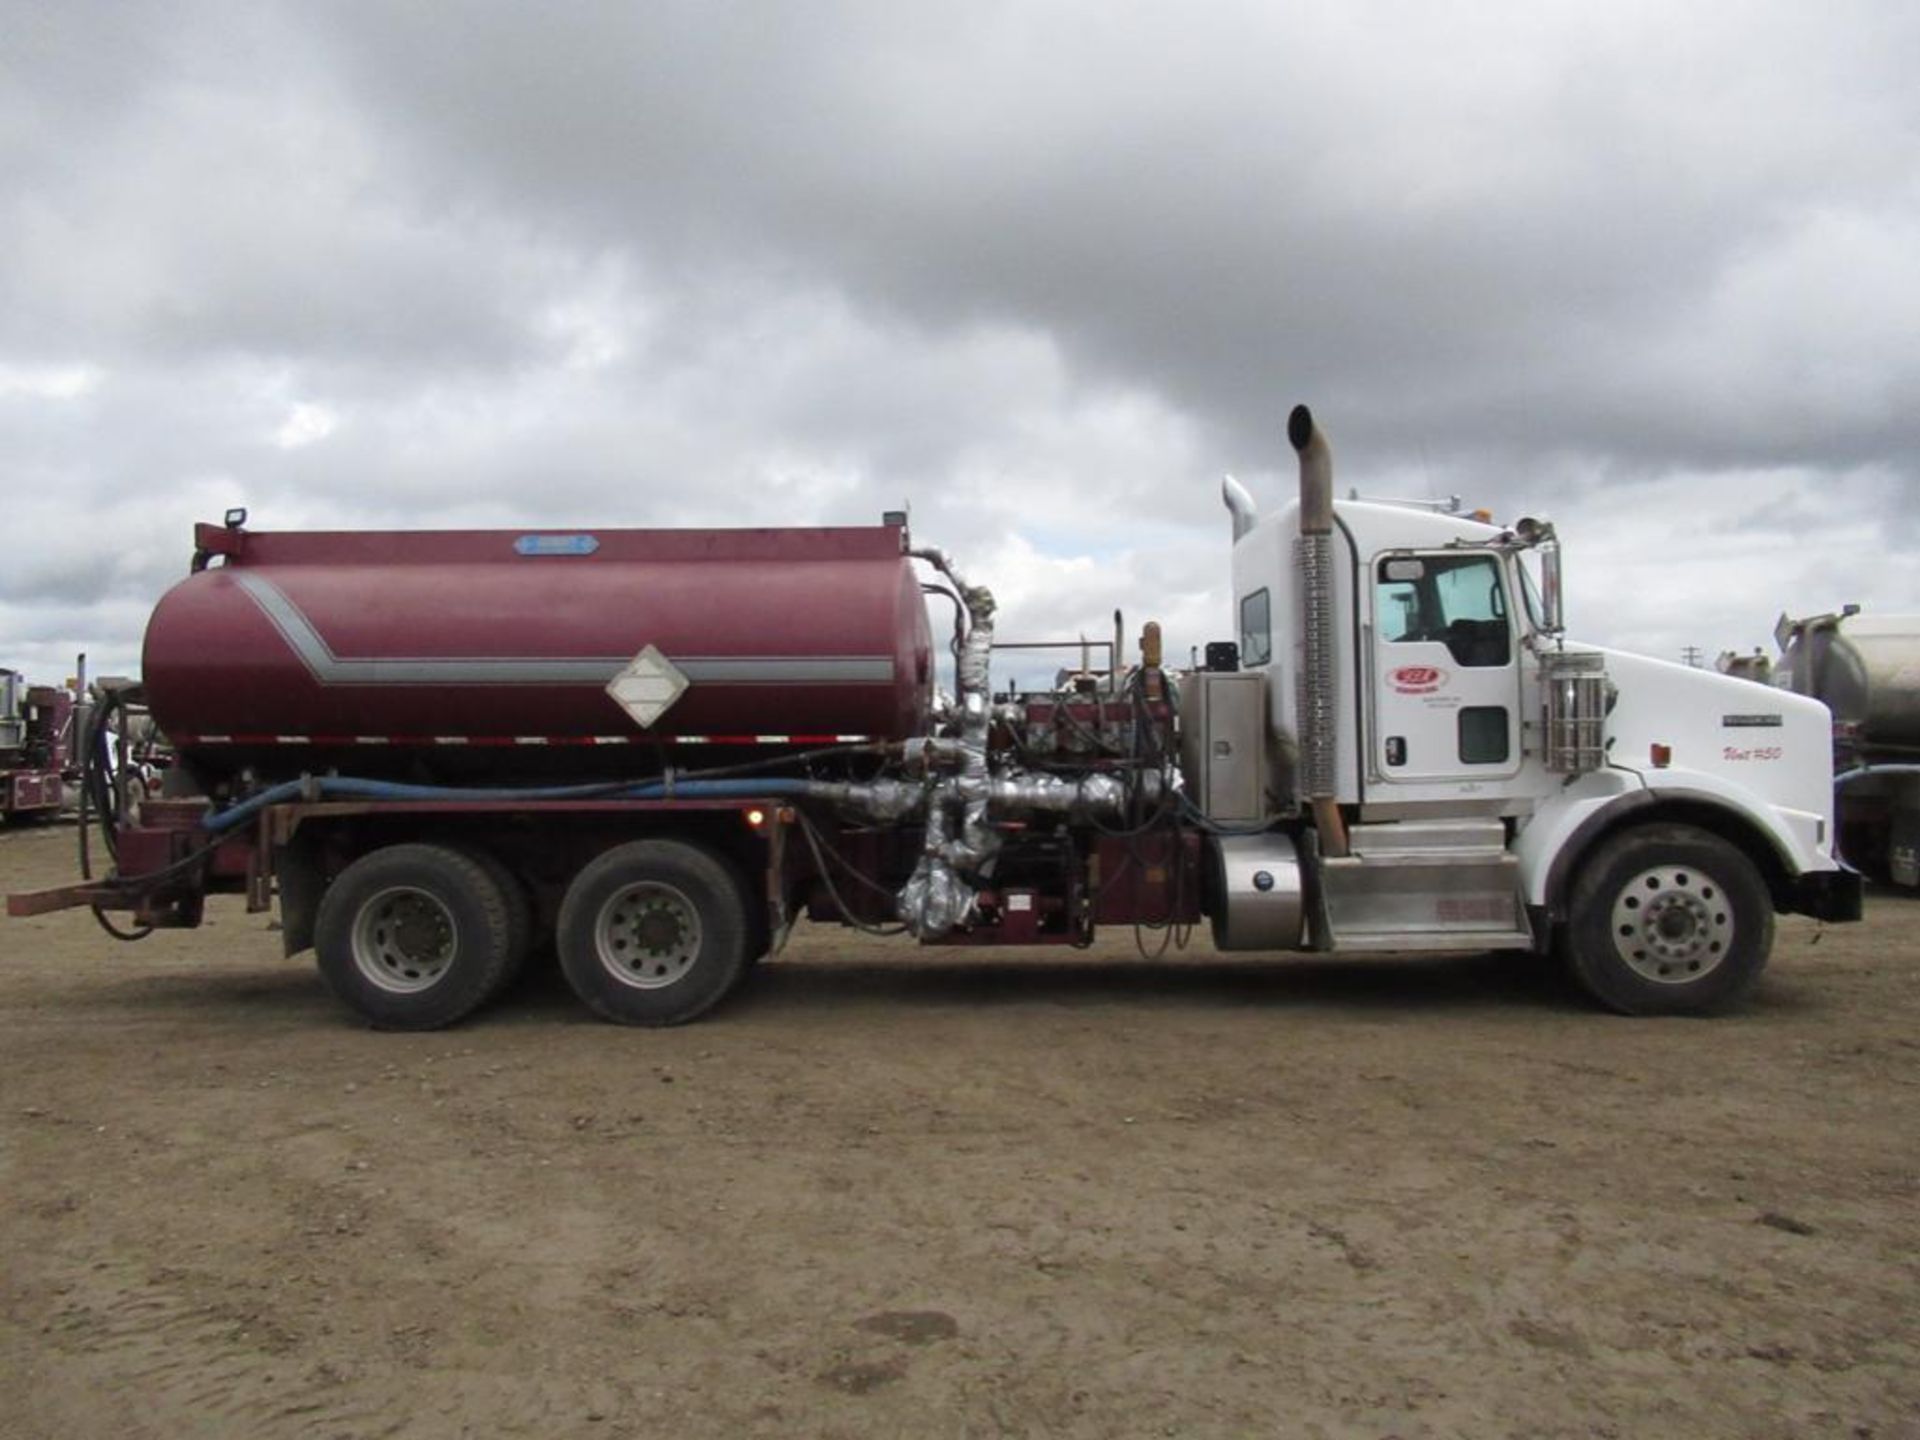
(1673, 924)
(647, 935)
(404, 940)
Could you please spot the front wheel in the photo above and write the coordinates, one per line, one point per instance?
(1667, 920)
(654, 932)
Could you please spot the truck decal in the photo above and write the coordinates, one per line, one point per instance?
(1418, 679)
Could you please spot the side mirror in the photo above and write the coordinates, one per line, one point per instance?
(1554, 620)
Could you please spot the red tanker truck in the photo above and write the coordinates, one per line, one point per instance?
(658, 749)
(36, 722)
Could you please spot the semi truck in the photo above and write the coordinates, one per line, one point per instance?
(1866, 670)
(659, 749)
(36, 726)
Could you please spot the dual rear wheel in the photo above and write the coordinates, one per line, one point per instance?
(418, 936)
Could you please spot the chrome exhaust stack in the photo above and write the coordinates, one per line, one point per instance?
(1313, 559)
(1239, 505)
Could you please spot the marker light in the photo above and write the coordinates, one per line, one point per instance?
(1661, 755)
(756, 817)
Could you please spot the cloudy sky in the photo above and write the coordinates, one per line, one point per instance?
(1043, 271)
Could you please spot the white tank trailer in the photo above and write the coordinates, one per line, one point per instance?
(1866, 670)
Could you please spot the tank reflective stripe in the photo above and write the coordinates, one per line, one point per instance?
(508, 741)
(330, 669)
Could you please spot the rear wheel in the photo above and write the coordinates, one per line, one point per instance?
(519, 906)
(1668, 920)
(654, 932)
(413, 937)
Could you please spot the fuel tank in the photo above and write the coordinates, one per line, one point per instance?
(489, 653)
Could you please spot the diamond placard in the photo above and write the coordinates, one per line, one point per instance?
(648, 686)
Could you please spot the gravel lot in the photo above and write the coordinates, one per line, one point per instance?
(893, 1192)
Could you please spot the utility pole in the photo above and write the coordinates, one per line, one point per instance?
(1691, 654)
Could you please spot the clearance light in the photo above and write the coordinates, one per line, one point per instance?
(756, 817)
(1661, 755)
(1485, 517)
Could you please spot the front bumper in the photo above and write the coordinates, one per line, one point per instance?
(1837, 895)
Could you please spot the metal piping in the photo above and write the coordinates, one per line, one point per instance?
(937, 898)
(1313, 554)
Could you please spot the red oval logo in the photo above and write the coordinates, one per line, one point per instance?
(1417, 679)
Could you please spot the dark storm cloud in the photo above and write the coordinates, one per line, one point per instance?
(1040, 270)
(1663, 234)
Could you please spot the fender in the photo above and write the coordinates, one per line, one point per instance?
(1565, 825)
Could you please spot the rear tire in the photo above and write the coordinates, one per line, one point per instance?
(1667, 920)
(519, 905)
(413, 937)
(654, 932)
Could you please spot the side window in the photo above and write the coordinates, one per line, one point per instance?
(1451, 600)
(1483, 734)
(1256, 628)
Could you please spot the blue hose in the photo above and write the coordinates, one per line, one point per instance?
(341, 787)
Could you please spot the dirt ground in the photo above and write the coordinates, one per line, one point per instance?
(894, 1192)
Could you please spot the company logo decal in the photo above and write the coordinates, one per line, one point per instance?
(1417, 679)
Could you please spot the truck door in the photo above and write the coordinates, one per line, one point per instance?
(1446, 674)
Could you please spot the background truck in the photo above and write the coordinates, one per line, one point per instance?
(36, 728)
(1866, 670)
(659, 748)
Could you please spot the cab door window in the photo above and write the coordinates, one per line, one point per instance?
(1452, 600)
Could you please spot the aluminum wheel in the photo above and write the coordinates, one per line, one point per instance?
(1672, 924)
(647, 935)
(404, 940)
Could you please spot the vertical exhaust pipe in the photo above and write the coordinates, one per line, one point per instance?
(1315, 693)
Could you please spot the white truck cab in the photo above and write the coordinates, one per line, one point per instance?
(1464, 777)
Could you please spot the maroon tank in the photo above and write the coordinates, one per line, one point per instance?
(490, 652)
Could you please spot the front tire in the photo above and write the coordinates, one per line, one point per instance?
(1668, 920)
(413, 937)
(654, 932)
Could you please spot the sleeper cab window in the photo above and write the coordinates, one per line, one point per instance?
(1256, 628)
(1451, 600)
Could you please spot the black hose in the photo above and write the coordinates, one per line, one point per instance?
(97, 787)
(814, 844)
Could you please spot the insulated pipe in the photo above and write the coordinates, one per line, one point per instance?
(1313, 553)
(938, 897)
